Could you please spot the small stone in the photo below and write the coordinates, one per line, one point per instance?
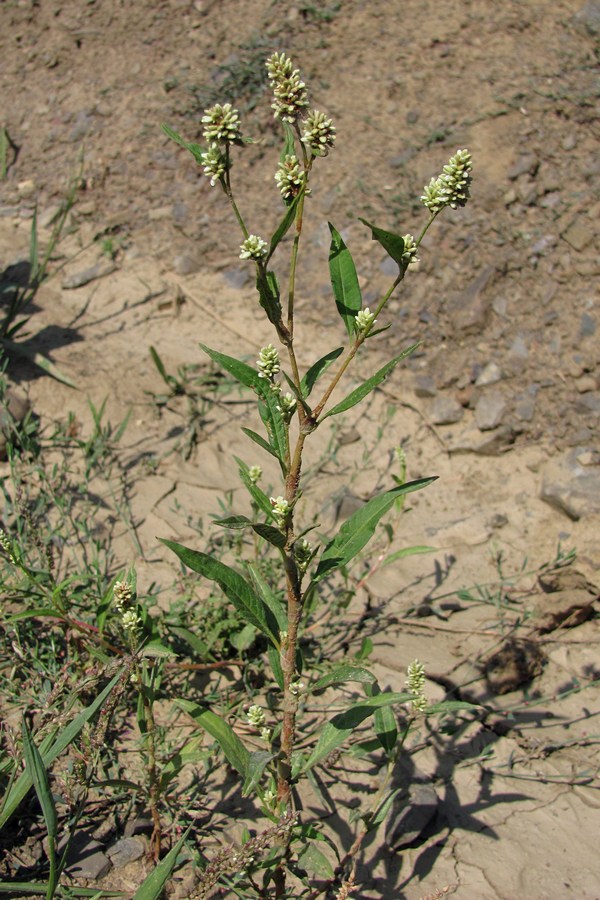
(589, 402)
(525, 405)
(588, 325)
(48, 217)
(79, 279)
(489, 410)
(126, 850)
(85, 858)
(567, 600)
(491, 374)
(516, 663)
(578, 235)
(425, 386)
(587, 20)
(139, 825)
(446, 411)
(469, 309)
(527, 164)
(547, 242)
(490, 443)
(238, 277)
(570, 487)
(185, 264)
(26, 188)
(586, 383)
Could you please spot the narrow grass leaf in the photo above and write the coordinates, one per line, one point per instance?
(50, 749)
(39, 778)
(407, 551)
(339, 729)
(357, 531)
(343, 674)
(318, 369)
(367, 386)
(447, 706)
(392, 243)
(236, 754)
(152, 886)
(344, 281)
(233, 585)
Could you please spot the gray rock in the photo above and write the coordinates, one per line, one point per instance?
(490, 443)
(139, 825)
(238, 277)
(85, 858)
(425, 386)
(489, 410)
(587, 20)
(469, 309)
(588, 325)
(528, 164)
(410, 815)
(79, 279)
(491, 374)
(446, 411)
(578, 235)
(572, 485)
(126, 850)
(525, 405)
(589, 402)
(184, 264)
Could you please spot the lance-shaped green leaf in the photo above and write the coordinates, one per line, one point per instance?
(153, 885)
(448, 706)
(342, 674)
(268, 295)
(269, 596)
(244, 373)
(384, 720)
(344, 281)
(339, 729)
(268, 532)
(270, 413)
(317, 369)
(50, 749)
(236, 754)
(285, 225)
(258, 495)
(257, 763)
(195, 149)
(41, 783)
(253, 609)
(367, 386)
(392, 243)
(358, 530)
(260, 441)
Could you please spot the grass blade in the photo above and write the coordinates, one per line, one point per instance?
(152, 886)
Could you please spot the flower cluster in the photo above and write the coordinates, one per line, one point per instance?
(268, 362)
(281, 509)
(254, 248)
(214, 164)
(303, 554)
(255, 474)
(416, 684)
(6, 545)
(287, 406)
(256, 718)
(123, 595)
(290, 177)
(221, 125)
(364, 320)
(319, 133)
(410, 250)
(289, 91)
(451, 188)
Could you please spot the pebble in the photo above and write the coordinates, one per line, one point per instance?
(425, 386)
(489, 410)
(237, 277)
(468, 310)
(587, 19)
(491, 374)
(79, 279)
(126, 850)
(446, 411)
(587, 326)
(490, 443)
(586, 383)
(570, 487)
(527, 164)
(578, 235)
(85, 858)
(26, 188)
(184, 264)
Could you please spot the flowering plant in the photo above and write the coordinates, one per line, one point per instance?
(290, 415)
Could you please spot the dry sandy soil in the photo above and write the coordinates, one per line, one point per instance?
(502, 400)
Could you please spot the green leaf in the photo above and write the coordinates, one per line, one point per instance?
(344, 724)
(260, 441)
(407, 551)
(156, 650)
(285, 225)
(257, 763)
(271, 416)
(367, 386)
(51, 749)
(195, 149)
(268, 295)
(386, 729)
(382, 810)
(37, 359)
(199, 646)
(236, 754)
(269, 596)
(233, 585)
(39, 777)
(341, 675)
(317, 369)
(258, 495)
(392, 243)
(275, 661)
(447, 706)
(152, 886)
(268, 532)
(315, 862)
(29, 887)
(344, 281)
(357, 531)
(245, 374)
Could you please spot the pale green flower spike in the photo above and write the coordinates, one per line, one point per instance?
(130, 620)
(289, 177)
(253, 248)
(451, 188)
(410, 250)
(268, 362)
(364, 320)
(222, 124)
(6, 545)
(281, 509)
(289, 91)
(296, 687)
(416, 685)
(256, 716)
(265, 734)
(287, 405)
(123, 595)
(302, 554)
(255, 474)
(319, 133)
(214, 164)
